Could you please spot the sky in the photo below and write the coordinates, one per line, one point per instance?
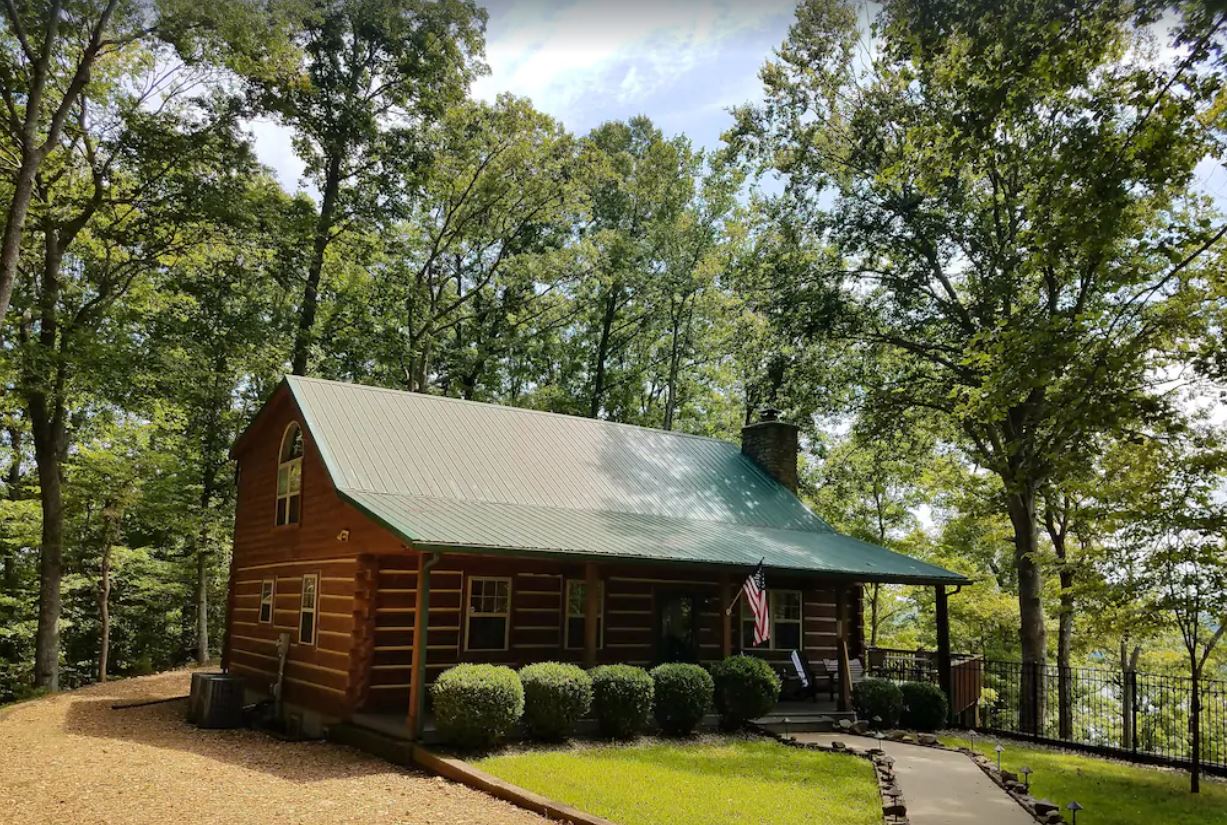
(683, 63)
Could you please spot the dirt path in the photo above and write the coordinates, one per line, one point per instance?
(940, 787)
(69, 758)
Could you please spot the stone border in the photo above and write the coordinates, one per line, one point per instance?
(894, 808)
(1041, 810)
(462, 772)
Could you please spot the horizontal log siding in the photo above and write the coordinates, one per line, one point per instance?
(536, 631)
(328, 540)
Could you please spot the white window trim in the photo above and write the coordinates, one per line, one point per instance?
(287, 496)
(744, 617)
(272, 601)
(469, 613)
(313, 609)
(566, 619)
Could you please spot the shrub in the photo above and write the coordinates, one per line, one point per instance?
(622, 699)
(746, 688)
(477, 705)
(556, 697)
(924, 706)
(877, 698)
(683, 695)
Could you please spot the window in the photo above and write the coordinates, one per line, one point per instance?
(577, 604)
(268, 594)
(306, 609)
(289, 476)
(784, 607)
(489, 608)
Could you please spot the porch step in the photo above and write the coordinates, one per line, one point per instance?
(818, 722)
(391, 748)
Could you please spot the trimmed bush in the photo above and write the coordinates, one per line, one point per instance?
(556, 697)
(924, 706)
(477, 705)
(746, 688)
(877, 698)
(622, 699)
(683, 695)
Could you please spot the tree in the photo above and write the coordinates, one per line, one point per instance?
(1007, 189)
(51, 51)
(373, 75)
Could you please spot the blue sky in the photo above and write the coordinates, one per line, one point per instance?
(681, 62)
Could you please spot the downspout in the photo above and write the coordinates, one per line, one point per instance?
(421, 621)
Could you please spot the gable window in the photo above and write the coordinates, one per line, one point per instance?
(577, 604)
(784, 607)
(307, 608)
(268, 594)
(489, 611)
(289, 476)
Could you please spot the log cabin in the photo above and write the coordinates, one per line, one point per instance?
(392, 535)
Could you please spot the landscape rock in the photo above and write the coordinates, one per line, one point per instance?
(860, 727)
(1009, 776)
(926, 739)
(1054, 818)
(838, 746)
(1043, 807)
(845, 724)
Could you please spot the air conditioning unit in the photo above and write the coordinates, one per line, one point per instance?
(216, 701)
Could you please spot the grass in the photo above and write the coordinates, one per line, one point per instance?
(723, 780)
(1110, 791)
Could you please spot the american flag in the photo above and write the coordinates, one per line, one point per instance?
(755, 591)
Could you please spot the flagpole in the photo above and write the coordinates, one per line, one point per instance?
(728, 611)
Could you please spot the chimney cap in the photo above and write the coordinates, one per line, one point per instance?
(770, 414)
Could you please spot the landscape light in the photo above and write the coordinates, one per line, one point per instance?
(1073, 808)
(1026, 772)
(999, 749)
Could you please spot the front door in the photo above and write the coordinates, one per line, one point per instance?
(677, 638)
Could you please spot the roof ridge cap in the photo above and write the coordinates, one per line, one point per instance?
(509, 407)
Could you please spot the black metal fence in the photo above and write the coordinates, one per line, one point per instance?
(1140, 716)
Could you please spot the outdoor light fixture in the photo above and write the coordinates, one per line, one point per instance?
(1026, 772)
(999, 749)
(786, 720)
(1073, 808)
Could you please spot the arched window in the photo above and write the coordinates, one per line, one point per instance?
(289, 476)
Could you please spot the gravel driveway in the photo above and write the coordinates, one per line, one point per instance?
(70, 758)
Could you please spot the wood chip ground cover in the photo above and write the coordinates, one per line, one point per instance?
(692, 783)
(70, 758)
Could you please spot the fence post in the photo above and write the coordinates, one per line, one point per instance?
(1133, 708)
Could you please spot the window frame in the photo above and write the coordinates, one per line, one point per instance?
(289, 465)
(745, 617)
(470, 614)
(566, 615)
(270, 600)
(313, 609)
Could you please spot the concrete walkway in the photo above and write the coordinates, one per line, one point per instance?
(939, 787)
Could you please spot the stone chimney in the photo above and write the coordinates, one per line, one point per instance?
(773, 444)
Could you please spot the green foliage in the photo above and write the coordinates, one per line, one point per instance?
(556, 697)
(737, 781)
(683, 694)
(745, 688)
(877, 701)
(924, 706)
(621, 699)
(476, 706)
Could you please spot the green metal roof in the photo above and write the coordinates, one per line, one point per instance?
(446, 473)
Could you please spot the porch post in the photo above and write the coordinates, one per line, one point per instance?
(944, 675)
(421, 622)
(592, 612)
(841, 632)
(726, 617)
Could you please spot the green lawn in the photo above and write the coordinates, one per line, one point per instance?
(727, 781)
(1111, 792)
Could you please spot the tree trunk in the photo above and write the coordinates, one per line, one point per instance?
(1032, 636)
(14, 225)
(873, 615)
(111, 519)
(12, 479)
(323, 236)
(1128, 666)
(1057, 524)
(1195, 726)
(602, 351)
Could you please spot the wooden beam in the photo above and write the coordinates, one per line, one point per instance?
(943, 646)
(841, 632)
(421, 628)
(726, 616)
(592, 612)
